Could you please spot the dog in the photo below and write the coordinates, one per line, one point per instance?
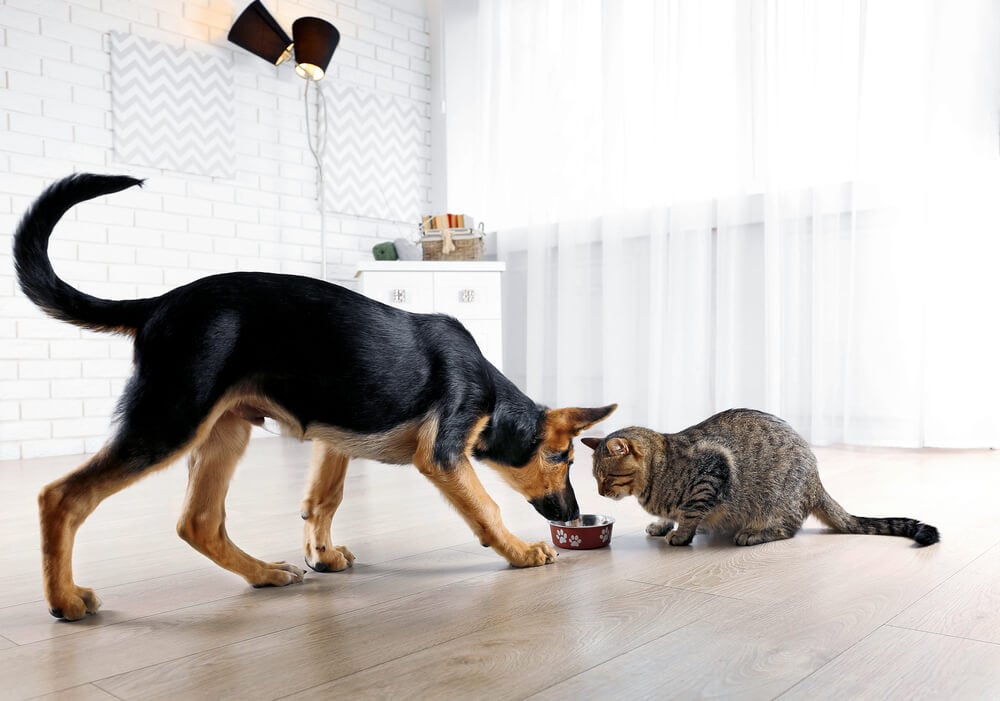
(358, 378)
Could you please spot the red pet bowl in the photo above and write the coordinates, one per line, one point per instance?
(585, 533)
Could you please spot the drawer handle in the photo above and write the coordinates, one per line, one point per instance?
(467, 296)
(398, 296)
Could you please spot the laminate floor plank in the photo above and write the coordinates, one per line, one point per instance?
(967, 605)
(94, 651)
(750, 651)
(898, 663)
(315, 653)
(523, 655)
(85, 692)
(776, 571)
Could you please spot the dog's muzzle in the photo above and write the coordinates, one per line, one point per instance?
(558, 506)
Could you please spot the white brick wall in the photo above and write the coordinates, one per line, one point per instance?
(58, 384)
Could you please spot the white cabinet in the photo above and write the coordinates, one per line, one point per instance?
(468, 291)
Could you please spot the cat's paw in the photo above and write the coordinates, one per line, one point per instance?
(659, 528)
(749, 537)
(680, 540)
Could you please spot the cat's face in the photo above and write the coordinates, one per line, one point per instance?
(618, 467)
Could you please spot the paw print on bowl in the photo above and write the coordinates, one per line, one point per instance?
(587, 532)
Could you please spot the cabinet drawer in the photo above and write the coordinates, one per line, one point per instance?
(467, 295)
(413, 292)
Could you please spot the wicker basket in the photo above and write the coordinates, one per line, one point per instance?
(466, 244)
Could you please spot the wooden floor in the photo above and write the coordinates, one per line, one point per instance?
(427, 613)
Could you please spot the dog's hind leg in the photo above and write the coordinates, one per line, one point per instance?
(64, 504)
(324, 492)
(203, 520)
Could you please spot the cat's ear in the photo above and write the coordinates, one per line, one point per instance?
(591, 442)
(619, 447)
(577, 419)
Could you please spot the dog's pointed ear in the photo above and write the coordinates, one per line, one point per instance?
(591, 442)
(619, 447)
(577, 419)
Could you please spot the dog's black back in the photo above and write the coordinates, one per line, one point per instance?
(358, 364)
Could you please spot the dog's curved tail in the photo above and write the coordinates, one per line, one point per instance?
(34, 269)
(833, 515)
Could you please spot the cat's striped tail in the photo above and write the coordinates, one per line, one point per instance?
(833, 515)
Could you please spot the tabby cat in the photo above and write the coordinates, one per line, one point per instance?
(741, 471)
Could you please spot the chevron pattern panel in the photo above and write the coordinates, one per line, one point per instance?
(376, 162)
(172, 108)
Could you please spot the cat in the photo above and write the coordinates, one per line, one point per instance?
(741, 471)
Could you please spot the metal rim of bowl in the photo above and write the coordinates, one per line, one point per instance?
(605, 521)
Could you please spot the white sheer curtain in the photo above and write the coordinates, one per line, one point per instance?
(786, 205)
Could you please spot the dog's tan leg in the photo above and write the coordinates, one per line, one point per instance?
(203, 521)
(62, 506)
(324, 492)
(463, 489)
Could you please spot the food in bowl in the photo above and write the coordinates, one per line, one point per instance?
(585, 533)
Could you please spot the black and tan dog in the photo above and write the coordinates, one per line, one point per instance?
(357, 377)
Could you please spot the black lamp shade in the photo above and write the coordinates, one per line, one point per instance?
(260, 34)
(315, 42)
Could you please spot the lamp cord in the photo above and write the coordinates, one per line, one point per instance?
(317, 149)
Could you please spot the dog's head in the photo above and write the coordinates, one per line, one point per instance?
(544, 478)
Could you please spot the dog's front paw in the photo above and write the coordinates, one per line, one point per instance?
(277, 574)
(75, 604)
(333, 559)
(535, 555)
